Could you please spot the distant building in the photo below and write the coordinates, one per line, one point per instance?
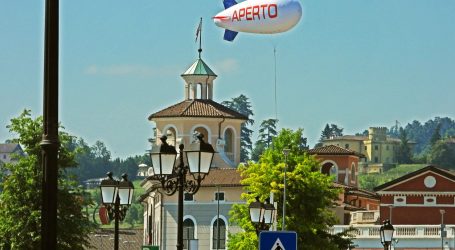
(380, 150)
(10, 152)
(93, 183)
(355, 206)
(418, 197)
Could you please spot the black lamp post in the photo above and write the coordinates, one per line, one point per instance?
(386, 233)
(116, 196)
(50, 143)
(261, 214)
(173, 177)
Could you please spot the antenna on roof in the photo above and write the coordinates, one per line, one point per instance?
(276, 101)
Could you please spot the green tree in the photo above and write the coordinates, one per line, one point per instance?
(259, 148)
(310, 194)
(267, 131)
(442, 154)
(330, 131)
(404, 155)
(132, 215)
(20, 206)
(242, 105)
(326, 133)
(436, 135)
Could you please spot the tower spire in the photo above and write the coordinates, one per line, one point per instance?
(199, 35)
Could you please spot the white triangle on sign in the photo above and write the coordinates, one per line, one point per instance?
(277, 245)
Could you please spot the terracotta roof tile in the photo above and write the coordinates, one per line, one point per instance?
(198, 108)
(331, 150)
(222, 177)
(102, 239)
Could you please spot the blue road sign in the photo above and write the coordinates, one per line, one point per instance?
(278, 240)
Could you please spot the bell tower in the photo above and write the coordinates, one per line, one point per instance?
(199, 81)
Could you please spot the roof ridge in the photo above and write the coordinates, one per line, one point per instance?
(187, 107)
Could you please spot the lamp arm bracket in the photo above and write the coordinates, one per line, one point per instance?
(170, 186)
(191, 186)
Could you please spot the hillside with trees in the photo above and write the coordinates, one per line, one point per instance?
(423, 134)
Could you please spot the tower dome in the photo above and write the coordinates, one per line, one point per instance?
(199, 81)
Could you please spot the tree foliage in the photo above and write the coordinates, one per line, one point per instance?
(442, 154)
(94, 161)
(310, 194)
(21, 198)
(267, 131)
(242, 105)
(372, 180)
(404, 154)
(421, 133)
(436, 135)
(331, 131)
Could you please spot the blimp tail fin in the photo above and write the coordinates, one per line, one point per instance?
(229, 3)
(230, 35)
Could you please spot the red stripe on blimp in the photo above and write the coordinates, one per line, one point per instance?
(222, 18)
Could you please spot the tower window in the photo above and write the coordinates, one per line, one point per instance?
(188, 197)
(219, 196)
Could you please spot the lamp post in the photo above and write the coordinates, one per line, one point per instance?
(174, 178)
(261, 214)
(50, 142)
(442, 211)
(386, 234)
(116, 196)
(286, 153)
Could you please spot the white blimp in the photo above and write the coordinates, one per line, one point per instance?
(258, 16)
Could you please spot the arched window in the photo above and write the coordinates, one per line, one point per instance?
(188, 232)
(171, 136)
(198, 94)
(203, 131)
(229, 143)
(330, 169)
(219, 236)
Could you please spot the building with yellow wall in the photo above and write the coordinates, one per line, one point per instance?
(379, 149)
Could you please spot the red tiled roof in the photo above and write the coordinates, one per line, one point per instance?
(222, 177)
(331, 150)
(102, 239)
(198, 108)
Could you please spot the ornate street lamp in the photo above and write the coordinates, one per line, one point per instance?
(261, 214)
(173, 178)
(386, 233)
(116, 196)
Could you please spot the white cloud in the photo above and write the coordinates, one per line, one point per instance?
(227, 65)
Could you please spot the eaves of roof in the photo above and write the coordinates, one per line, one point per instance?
(200, 108)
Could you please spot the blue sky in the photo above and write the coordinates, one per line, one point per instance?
(355, 63)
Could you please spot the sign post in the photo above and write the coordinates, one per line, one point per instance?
(278, 240)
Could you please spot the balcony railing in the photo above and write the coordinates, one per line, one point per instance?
(401, 231)
(364, 217)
